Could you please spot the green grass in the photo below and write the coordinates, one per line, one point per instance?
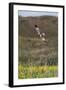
(26, 72)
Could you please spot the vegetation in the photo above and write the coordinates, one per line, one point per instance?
(26, 72)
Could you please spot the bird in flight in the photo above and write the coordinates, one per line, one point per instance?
(41, 35)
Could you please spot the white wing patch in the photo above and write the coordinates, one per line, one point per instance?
(41, 35)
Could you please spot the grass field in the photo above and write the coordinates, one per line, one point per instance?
(26, 72)
(37, 60)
